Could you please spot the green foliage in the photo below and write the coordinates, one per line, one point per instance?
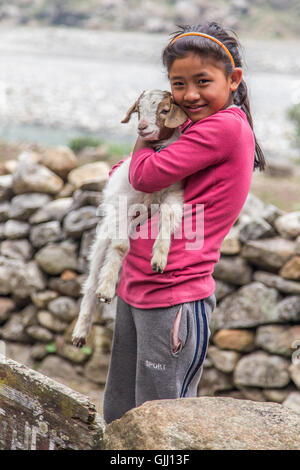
(119, 149)
(114, 149)
(86, 350)
(51, 347)
(80, 143)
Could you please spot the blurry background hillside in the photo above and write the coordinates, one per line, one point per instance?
(260, 17)
(70, 69)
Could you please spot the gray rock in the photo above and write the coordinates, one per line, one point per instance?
(213, 381)
(42, 298)
(4, 211)
(61, 160)
(68, 287)
(16, 249)
(56, 257)
(47, 320)
(277, 394)
(288, 309)
(39, 333)
(255, 229)
(231, 244)
(294, 371)
(6, 306)
(297, 246)
(205, 423)
(58, 368)
(250, 306)
(224, 361)
(269, 253)
(233, 269)
(78, 221)
(252, 393)
(20, 278)
(47, 232)
(293, 402)
(64, 308)
(54, 210)
(73, 354)
(16, 229)
(273, 280)
(97, 368)
(38, 352)
(13, 330)
(288, 225)
(20, 352)
(91, 176)
(24, 205)
(5, 187)
(260, 369)
(271, 213)
(33, 177)
(253, 206)
(223, 288)
(85, 198)
(277, 339)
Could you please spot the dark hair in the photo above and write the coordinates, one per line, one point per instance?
(208, 48)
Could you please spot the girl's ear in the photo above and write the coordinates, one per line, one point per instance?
(236, 78)
(133, 109)
(176, 117)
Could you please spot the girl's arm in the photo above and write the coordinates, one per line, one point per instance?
(206, 143)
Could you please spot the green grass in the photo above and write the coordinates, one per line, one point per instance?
(79, 143)
(115, 150)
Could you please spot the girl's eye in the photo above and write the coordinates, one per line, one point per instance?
(177, 84)
(203, 81)
(164, 111)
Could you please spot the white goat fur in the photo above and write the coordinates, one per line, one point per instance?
(106, 253)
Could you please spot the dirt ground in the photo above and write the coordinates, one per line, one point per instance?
(283, 192)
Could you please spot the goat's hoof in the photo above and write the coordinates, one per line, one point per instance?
(103, 299)
(157, 268)
(78, 342)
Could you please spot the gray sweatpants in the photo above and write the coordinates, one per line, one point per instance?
(143, 364)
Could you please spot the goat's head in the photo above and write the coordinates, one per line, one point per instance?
(157, 113)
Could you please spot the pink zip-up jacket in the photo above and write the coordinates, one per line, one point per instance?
(214, 158)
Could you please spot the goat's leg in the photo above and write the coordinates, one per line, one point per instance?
(109, 273)
(169, 219)
(89, 300)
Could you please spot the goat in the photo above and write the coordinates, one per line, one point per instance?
(159, 121)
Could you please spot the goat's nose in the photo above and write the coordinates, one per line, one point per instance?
(142, 124)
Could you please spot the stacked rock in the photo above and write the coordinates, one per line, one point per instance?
(48, 218)
(254, 347)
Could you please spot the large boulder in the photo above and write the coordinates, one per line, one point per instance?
(251, 305)
(205, 423)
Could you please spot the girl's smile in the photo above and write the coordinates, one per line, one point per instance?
(200, 86)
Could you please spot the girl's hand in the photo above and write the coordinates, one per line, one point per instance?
(141, 143)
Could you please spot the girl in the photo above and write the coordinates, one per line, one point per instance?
(162, 322)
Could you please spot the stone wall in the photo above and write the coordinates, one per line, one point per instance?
(47, 222)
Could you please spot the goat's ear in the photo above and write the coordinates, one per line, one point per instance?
(176, 117)
(133, 109)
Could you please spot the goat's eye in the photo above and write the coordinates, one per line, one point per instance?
(164, 111)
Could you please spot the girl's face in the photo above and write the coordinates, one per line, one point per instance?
(200, 86)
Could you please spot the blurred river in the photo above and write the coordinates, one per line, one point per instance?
(57, 83)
